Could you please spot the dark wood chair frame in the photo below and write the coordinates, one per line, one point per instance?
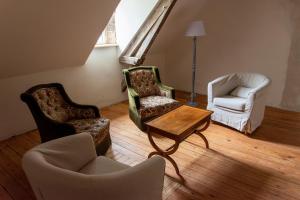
(50, 129)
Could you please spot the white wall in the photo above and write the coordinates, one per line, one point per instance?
(130, 15)
(291, 94)
(97, 83)
(242, 36)
(157, 60)
(249, 35)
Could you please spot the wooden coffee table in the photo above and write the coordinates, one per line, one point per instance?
(178, 125)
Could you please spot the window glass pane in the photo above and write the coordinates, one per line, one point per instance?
(108, 36)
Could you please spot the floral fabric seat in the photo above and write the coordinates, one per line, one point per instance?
(57, 116)
(98, 127)
(156, 105)
(148, 97)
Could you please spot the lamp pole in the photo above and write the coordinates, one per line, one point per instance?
(195, 29)
(193, 94)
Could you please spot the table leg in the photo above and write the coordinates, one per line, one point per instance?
(198, 132)
(204, 139)
(165, 153)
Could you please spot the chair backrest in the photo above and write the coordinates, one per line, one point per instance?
(54, 164)
(51, 101)
(251, 80)
(144, 80)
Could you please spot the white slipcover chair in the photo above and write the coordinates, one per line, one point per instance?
(68, 168)
(238, 100)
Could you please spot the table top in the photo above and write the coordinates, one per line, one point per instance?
(179, 122)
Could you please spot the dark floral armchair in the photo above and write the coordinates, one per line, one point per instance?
(56, 115)
(148, 97)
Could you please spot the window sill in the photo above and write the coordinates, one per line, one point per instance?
(105, 45)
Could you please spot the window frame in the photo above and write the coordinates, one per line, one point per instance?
(106, 33)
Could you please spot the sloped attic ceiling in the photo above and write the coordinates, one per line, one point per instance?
(180, 17)
(38, 35)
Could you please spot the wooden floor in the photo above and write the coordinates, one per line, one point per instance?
(264, 166)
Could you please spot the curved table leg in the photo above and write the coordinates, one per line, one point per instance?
(198, 132)
(203, 138)
(165, 153)
(172, 161)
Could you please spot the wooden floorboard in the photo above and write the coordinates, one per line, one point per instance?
(261, 167)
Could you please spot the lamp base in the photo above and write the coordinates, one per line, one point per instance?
(192, 103)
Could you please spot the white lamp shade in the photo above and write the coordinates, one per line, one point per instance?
(195, 29)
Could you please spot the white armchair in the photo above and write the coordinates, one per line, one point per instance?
(238, 100)
(68, 168)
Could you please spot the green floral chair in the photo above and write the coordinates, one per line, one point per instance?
(148, 97)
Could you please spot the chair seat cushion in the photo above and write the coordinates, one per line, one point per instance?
(102, 165)
(156, 105)
(97, 127)
(241, 91)
(231, 102)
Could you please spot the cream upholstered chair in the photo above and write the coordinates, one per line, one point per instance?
(238, 100)
(59, 170)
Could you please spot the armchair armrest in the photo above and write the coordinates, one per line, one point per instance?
(256, 95)
(167, 91)
(143, 181)
(221, 86)
(80, 107)
(259, 91)
(146, 178)
(51, 129)
(83, 111)
(134, 98)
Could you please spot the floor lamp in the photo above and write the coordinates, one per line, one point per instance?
(195, 29)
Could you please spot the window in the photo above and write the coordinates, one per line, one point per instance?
(108, 36)
(135, 53)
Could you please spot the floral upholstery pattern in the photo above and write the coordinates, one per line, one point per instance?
(148, 97)
(143, 82)
(54, 106)
(156, 105)
(56, 115)
(84, 120)
(165, 93)
(97, 127)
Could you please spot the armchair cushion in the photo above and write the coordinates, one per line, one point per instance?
(241, 91)
(156, 105)
(231, 102)
(97, 127)
(144, 83)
